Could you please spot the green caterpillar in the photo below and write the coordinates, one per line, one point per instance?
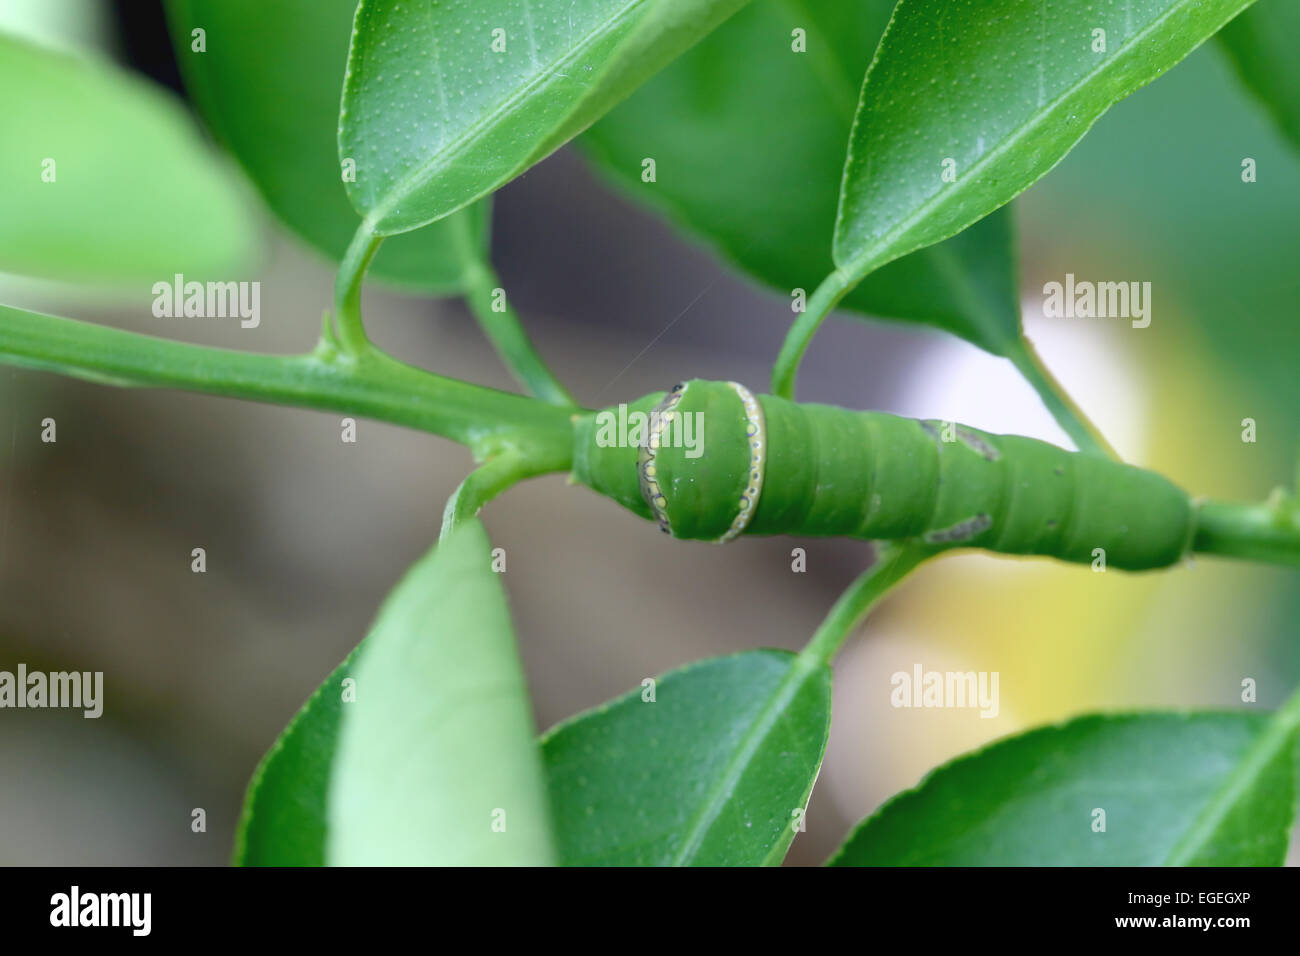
(710, 461)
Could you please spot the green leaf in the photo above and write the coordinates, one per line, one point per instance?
(994, 94)
(748, 138)
(268, 83)
(1197, 789)
(1261, 45)
(444, 102)
(284, 821)
(104, 179)
(437, 762)
(711, 772)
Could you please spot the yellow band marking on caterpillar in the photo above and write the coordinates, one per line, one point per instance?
(756, 436)
(661, 417)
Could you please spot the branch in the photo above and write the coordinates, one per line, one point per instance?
(1268, 532)
(368, 384)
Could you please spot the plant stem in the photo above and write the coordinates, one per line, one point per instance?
(488, 421)
(1267, 532)
(893, 563)
(502, 325)
(819, 305)
(369, 384)
(485, 483)
(347, 288)
(1086, 436)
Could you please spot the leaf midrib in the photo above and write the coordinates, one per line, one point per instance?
(403, 188)
(838, 81)
(801, 669)
(864, 260)
(986, 318)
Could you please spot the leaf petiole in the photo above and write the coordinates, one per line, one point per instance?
(1086, 436)
(894, 561)
(486, 482)
(824, 298)
(487, 299)
(347, 288)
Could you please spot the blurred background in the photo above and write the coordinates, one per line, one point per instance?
(304, 534)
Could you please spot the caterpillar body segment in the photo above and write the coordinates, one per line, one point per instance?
(723, 462)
